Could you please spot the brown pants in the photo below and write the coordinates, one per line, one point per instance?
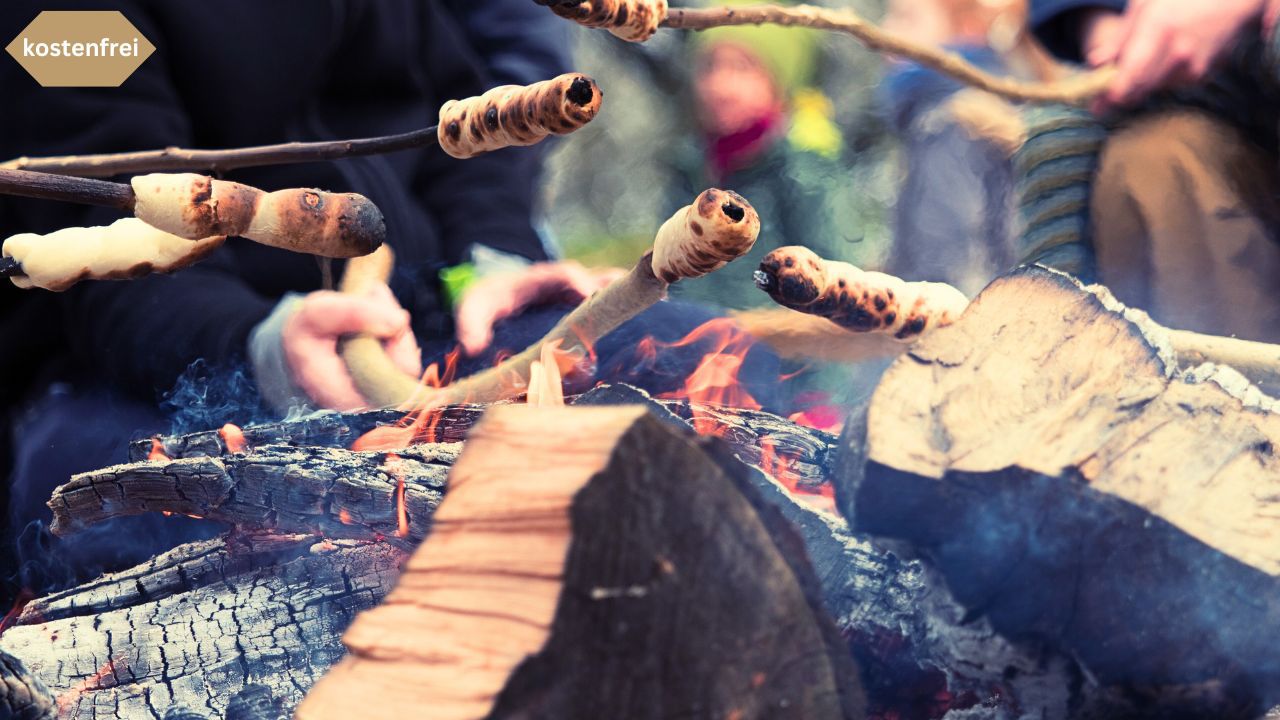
(1185, 219)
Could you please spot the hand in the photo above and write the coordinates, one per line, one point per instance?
(1162, 43)
(503, 295)
(310, 340)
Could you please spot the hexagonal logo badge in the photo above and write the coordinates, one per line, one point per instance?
(71, 48)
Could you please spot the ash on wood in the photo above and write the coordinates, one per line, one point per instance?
(1047, 457)
(188, 631)
(22, 695)
(592, 562)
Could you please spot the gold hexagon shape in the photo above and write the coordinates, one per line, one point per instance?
(80, 48)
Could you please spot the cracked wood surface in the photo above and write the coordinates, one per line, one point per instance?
(325, 491)
(1047, 457)
(193, 627)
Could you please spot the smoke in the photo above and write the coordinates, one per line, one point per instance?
(210, 396)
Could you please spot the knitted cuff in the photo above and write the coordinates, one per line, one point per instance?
(1054, 172)
(266, 353)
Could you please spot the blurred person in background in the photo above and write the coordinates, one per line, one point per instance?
(953, 220)
(765, 132)
(1183, 212)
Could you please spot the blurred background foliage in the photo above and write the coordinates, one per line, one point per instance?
(609, 188)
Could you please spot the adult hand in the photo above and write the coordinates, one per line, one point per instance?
(310, 341)
(1161, 43)
(502, 295)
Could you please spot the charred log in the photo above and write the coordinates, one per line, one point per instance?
(644, 567)
(22, 695)
(192, 628)
(1046, 456)
(329, 492)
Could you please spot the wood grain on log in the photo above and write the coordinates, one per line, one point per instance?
(591, 562)
(1046, 455)
(330, 492)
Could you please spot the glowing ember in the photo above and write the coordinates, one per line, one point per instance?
(67, 699)
(344, 516)
(233, 438)
(392, 466)
(780, 465)
(157, 450)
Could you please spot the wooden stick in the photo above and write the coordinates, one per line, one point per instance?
(1075, 90)
(1257, 361)
(45, 186)
(174, 159)
(697, 240)
(10, 267)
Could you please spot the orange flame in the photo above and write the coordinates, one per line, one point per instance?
(715, 380)
(24, 596)
(344, 516)
(233, 438)
(780, 465)
(157, 453)
(421, 421)
(392, 466)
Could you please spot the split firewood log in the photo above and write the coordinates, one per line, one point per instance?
(126, 249)
(717, 227)
(335, 493)
(643, 568)
(1048, 457)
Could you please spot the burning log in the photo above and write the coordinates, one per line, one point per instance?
(645, 567)
(289, 601)
(334, 493)
(582, 99)
(1048, 457)
(718, 227)
(637, 20)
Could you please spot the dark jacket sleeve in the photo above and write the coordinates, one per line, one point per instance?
(489, 200)
(141, 334)
(1054, 23)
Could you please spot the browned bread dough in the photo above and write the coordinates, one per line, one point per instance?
(718, 227)
(515, 115)
(855, 299)
(631, 20)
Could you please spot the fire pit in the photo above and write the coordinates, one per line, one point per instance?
(583, 561)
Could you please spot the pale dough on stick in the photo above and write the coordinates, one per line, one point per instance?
(125, 249)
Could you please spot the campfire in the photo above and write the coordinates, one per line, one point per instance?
(568, 555)
(1050, 507)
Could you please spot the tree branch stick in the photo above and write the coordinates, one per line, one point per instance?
(45, 186)
(700, 238)
(174, 159)
(1074, 90)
